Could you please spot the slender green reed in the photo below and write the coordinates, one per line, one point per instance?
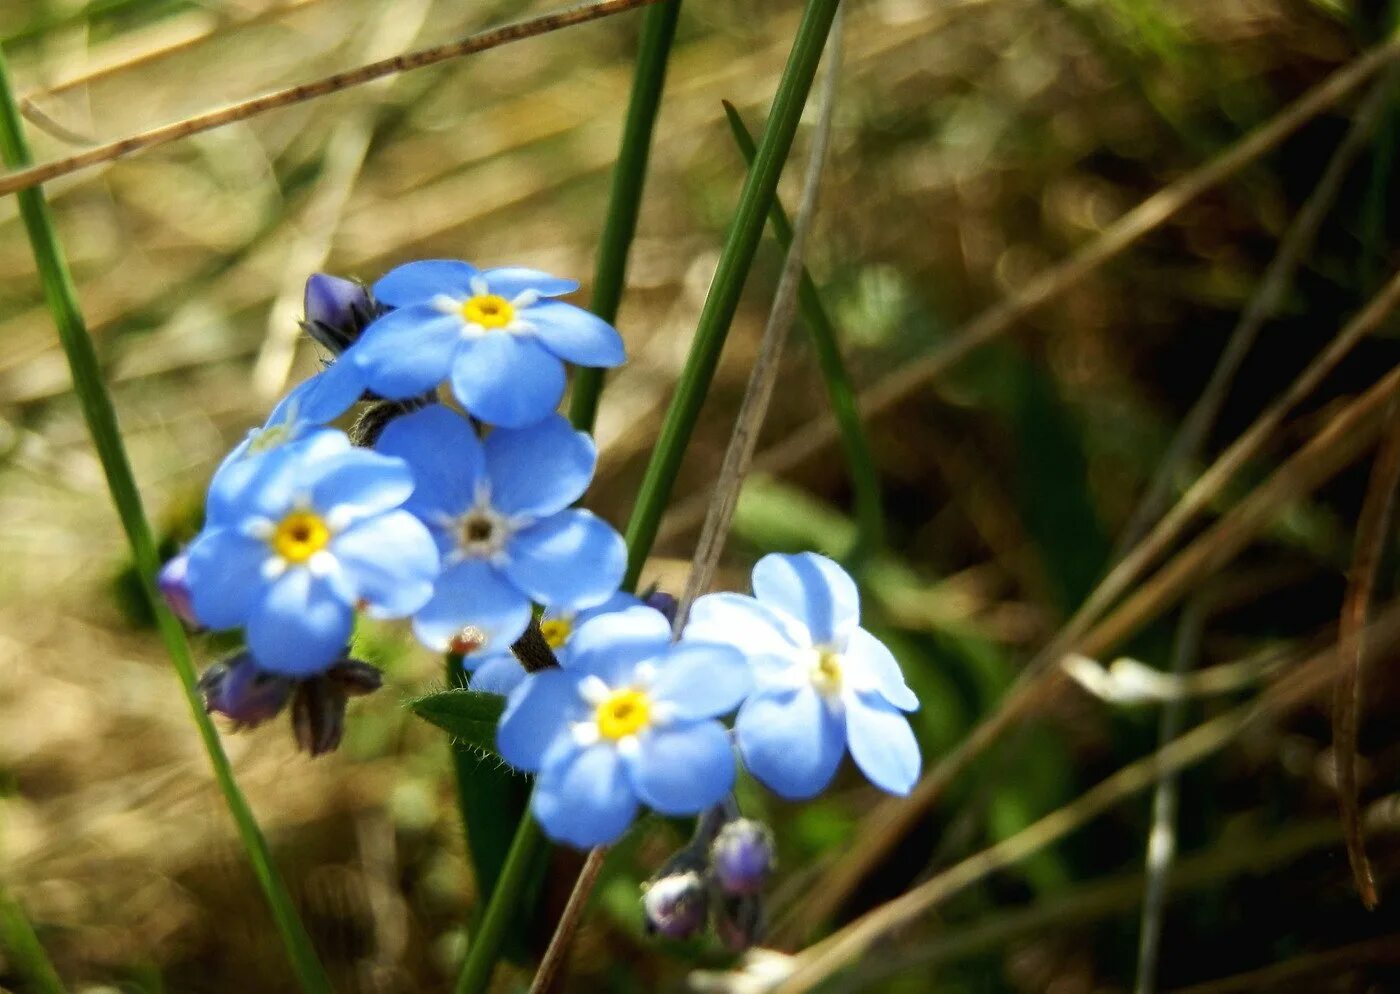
(755, 201)
(61, 297)
(624, 202)
(25, 950)
(865, 479)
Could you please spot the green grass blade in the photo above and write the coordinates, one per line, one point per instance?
(24, 949)
(101, 418)
(865, 479)
(501, 909)
(755, 201)
(624, 202)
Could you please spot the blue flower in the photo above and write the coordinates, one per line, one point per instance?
(499, 511)
(628, 720)
(304, 412)
(822, 681)
(495, 334)
(315, 531)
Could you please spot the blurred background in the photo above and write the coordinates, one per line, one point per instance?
(976, 143)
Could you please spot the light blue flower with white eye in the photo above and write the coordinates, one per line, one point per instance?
(496, 335)
(822, 681)
(316, 531)
(500, 512)
(307, 408)
(628, 719)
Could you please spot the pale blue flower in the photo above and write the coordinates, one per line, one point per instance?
(627, 720)
(315, 532)
(823, 683)
(500, 513)
(496, 335)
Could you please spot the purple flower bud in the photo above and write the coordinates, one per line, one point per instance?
(739, 921)
(318, 709)
(659, 600)
(674, 905)
(742, 856)
(237, 689)
(173, 581)
(337, 310)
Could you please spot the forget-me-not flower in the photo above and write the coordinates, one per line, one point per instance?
(496, 335)
(315, 532)
(822, 681)
(499, 511)
(627, 720)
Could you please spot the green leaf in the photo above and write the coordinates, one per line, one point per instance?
(470, 716)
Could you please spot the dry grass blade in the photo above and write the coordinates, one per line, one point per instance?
(1372, 530)
(892, 819)
(1146, 217)
(24, 178)
(1329, 964)
(558, 948)
(818, 962)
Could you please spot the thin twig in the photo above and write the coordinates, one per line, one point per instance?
(1055, 281)
(472, 44)
(1161, 836)
(562, 938)
(1372, 531)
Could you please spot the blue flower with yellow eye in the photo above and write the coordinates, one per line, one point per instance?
(500, 512)
(315, 532)
(496, 335)
(628, 719)
(822, 683)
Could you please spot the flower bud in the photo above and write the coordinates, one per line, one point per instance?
(337, 310)
(742, 856)
(660, 600)
(675, 904)
(739, 921)
(174, 584)
(237, 689)
(318, 716)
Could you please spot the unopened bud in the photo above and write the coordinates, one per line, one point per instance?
(739, 921)
(660, 600)
(742, 856)
(675, 905)
(174, 584)
(337, 311)
(237, 689)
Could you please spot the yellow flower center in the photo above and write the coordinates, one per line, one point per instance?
(556, 631)
(488, 310)
(623, 713)
(826, 674)
(300, 535)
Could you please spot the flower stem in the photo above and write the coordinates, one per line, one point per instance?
(629, 176)
(24, 948)
(61, 297)
(755, 201)
(865, 480)
(500, 910)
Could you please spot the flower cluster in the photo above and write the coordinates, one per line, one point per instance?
(453, 507)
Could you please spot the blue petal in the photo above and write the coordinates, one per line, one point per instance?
(882, 743)
(264, 482)
(702, 680)
(225, 576)
(300, 627)
(444, 454)
(617, 602)
(585, 798)
(419, 282)
(791, 741)
(871, 664)
(684, 768)
(360, 483)
(575, 335)
(323, 397)
(539, 711)
(741, 621)
(407, 352)
(610, 645)
(813, 590)
(390, 561)
(497, 674)
(572, 559)
(538, 470)
(511, 281)
(472, 593)
(507, 380)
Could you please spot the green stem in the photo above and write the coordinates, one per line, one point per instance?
(101, 419)
(624, 202)
(25, 949)
(865, 479)
(500, 910)
(755, 201)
